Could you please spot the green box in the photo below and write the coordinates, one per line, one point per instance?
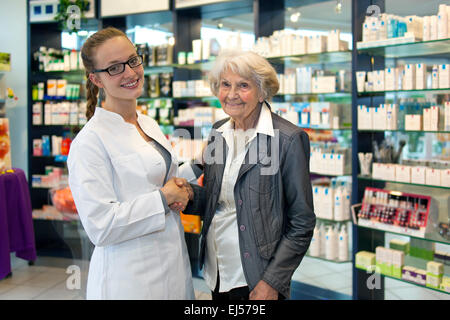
(397, 271)
(385, 269)
(434, 281)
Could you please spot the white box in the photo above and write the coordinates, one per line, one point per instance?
(300, 45)
(333, 40)
(421, 76)
(418, 175)
(327, 206)
(380, 117)
(444, 76)
(197, 49)
(434, 118)
(435, 77)
(339, 164)
(445, 178)
(390, 79)
(442, 22)
(433, 177)
(427, 119)
(433, 27)
(413, 122)
(426, 28)
(391, 117)
(379, 80)
(389, 172)
(447, 116)
(409, 77)
(403, 173)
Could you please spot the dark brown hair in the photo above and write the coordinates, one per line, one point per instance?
(87, 54)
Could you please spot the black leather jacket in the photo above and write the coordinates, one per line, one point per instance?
(274, 204)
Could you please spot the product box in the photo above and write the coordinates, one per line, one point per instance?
(384, 260)
(399, 245)
(418, 175)
(433, 177)
(390, 79)
(365, 259)
(389, 171)
(380, 117)
(403, 173)
(445, 285)
(444, 76)
(445, 178)
(413, 122)
(421, 76)
(435, 77)
(427, 119)
(391, 116)
(409, 77)
(398, 259)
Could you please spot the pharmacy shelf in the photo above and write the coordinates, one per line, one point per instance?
(58, 158)
(403, 50)
(328, 260)
(333, 221)
(158, 69)
(404, 92)
(405, 183)
(324, 129)
(402, 131)
(330, 175)
(314, 58)
(433, 237)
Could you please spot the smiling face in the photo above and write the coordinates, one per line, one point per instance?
(238, 96)
(126, 85)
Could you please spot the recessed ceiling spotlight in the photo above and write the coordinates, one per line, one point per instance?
(338, 6)
(295, 16)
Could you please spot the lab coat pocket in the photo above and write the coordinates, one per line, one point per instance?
(131, 178)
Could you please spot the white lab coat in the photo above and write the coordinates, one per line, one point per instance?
(115, 177)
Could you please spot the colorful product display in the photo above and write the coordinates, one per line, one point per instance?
(5, 145)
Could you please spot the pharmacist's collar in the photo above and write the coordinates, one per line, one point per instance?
(264, 126)
(112, 116)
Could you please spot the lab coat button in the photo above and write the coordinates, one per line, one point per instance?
(242, 227)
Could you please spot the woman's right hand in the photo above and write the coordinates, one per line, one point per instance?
(175, 193)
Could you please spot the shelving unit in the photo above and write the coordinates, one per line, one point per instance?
(366, 238)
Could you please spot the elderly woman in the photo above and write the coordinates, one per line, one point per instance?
(256, 203)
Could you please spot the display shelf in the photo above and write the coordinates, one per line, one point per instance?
(330, 175)
(405, 92)
(401, 130)
(323, 94)
(328, 260)
(314, 58)
(58, 158)
(333, 221)
(433, 237)
(324, 129)
(158, 69)
(360, 177)
(404, 50)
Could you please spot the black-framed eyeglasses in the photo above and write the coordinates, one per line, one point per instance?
(118, 68)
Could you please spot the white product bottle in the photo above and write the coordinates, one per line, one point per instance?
(345, 204)
(338, 205)
(343, 244)
(330, 244)
(314, 247)
(322, 239)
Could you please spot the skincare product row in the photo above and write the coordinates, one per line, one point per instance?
(305, 80)
(417, 174)
(161, 55)
(330, 242)
(392, 29)
(408, 77)
(206, 49)
(52, 178)
(50, 59)
(331, 203)
(285, 43)
(59, 146)
(191, 88)
(59, 113)
(56, 89)
(406, 116)
(157, 85)
(330, 159)
(199, 116)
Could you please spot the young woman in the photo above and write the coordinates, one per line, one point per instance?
(121, 173)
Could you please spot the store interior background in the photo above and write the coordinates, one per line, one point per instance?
(315, 278)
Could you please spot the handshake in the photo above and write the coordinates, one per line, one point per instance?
(178, 192)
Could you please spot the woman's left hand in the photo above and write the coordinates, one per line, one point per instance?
(263, 291)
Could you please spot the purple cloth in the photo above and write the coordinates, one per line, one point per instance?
(16, 221)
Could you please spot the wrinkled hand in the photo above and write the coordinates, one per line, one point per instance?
(263, 291)
(175, 194)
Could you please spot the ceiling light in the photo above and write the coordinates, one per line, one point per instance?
(220, 25)
(295, 16)
(338, 6)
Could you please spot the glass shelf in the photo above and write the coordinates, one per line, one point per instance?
(433, 237)
(408, 92)
(314, 58)
(158, 69)
(433, 47)
(406, 281)
(330, 175)
(333, 261)
(407, 183)
(403, 131)
(325, 94)
(325, 129)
